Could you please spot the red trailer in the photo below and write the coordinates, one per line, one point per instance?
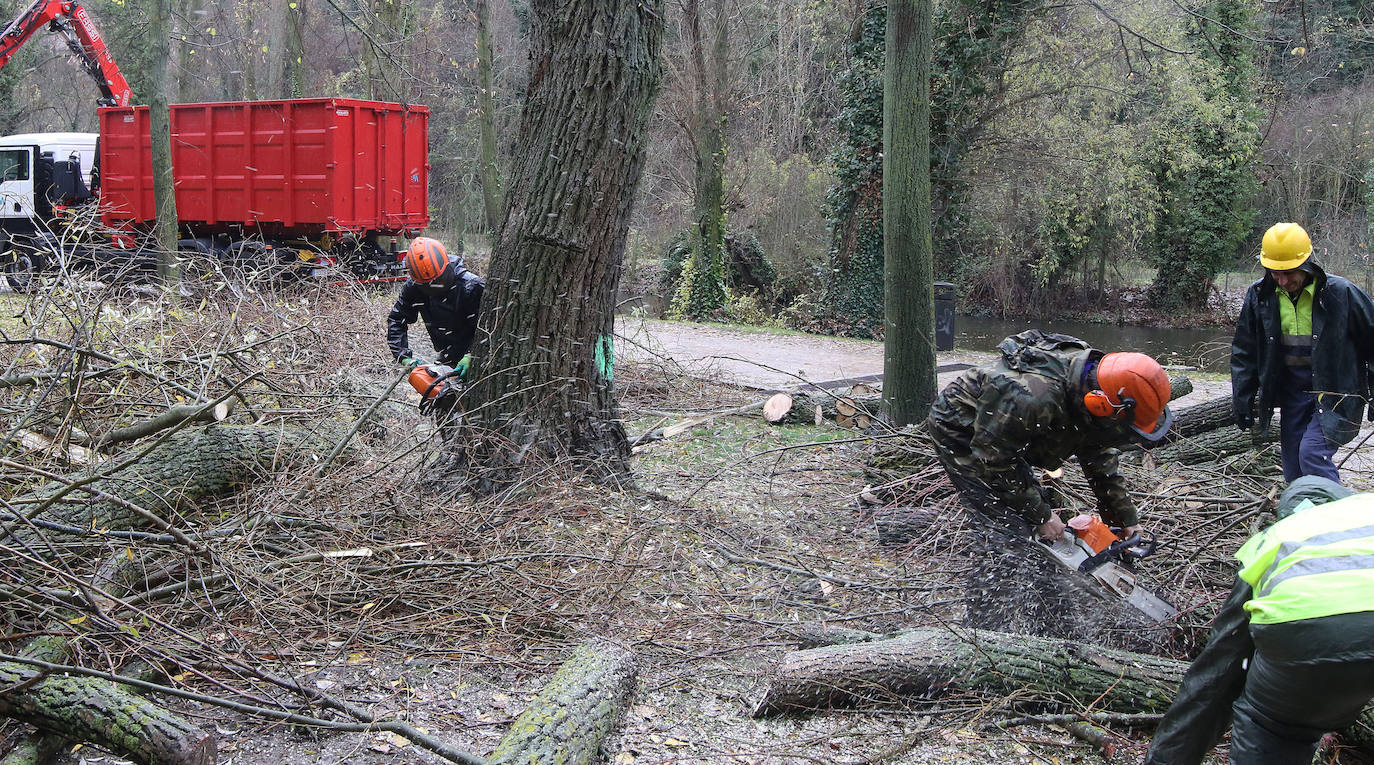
(295, 168)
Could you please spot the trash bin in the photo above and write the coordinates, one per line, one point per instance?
(944, 316)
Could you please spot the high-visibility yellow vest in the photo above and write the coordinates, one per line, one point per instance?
(1317, 562)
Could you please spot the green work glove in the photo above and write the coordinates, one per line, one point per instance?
(410, 363)
(463, 365)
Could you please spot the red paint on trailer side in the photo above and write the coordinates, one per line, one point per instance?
(300, 167)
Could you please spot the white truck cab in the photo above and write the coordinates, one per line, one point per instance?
(40, 169)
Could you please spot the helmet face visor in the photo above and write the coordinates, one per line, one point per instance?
(1160, 428)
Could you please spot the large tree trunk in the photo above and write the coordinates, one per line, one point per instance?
(1202, 418)
(934, 662)
(1216, 445)
(102, 712)
(570, 719)
(545, 390)
(909, 297)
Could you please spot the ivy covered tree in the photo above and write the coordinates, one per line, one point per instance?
(854, 285)
(1203, 155)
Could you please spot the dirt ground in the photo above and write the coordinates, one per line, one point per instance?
(736, 533)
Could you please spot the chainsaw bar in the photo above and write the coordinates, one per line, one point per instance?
(1072, 553)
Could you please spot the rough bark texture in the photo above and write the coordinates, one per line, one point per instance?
(100, 711)
(544, 390)
(935, 662)
(1215, 445)
(188, 466)
(1202, 418)
(908, 260)
(568, 721)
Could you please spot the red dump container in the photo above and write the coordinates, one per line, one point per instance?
(300, 167)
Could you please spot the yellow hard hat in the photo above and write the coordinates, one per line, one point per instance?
(1286, 246)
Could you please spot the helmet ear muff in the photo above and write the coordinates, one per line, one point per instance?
(1098, 404)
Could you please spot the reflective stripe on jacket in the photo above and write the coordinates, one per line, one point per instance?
(1317, 562)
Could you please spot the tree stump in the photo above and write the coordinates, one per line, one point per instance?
(570, 719)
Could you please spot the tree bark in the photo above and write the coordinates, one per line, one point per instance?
(100, 711)
(490, 171)
(1215, 445)
(545, 392)
(933, 662)
(1202, 418)
(186, 467)
(167, 419)
(168, 230)
(570, 719)
(908, 261)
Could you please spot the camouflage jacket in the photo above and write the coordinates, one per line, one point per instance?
(997, 425)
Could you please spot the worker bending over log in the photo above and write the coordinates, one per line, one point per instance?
(1291, 654)
(1049, 397)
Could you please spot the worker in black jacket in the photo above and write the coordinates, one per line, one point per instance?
(1303, 343)
(446, 295)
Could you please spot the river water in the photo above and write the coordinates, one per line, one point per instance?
(1207, 349)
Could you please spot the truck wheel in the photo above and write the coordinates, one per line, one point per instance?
(22, 268)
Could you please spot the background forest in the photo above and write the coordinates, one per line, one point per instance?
(1108, 159)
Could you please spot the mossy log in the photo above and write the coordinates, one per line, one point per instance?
(934, 662)
(1215, 445)
(570, 719)
(102, 712)
(188, 466)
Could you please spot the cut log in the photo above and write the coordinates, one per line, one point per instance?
(188, 466)
(777, 407)
(862, 390)
(570, 719)
(173, 416)
(933, 662)
(1215, 445)
(1202, 418)
(1179, 387)
(102, 712)
(809, 408)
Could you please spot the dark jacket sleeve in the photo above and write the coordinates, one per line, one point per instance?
(1245, 355)
(1360, 329)
(1201, 713)
(403, 313)
(1104, 476)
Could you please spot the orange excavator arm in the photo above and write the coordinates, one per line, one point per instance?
(69, 19)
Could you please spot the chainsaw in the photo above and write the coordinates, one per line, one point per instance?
(437, 384)
(1090, 548)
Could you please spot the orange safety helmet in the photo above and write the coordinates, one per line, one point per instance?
(1137, 384)
(426, 260)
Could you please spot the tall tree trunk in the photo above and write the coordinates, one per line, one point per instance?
(490, 172)
(190, 55)
(164, 186)
(293, 52)
(909, 297)
(702, 289)
(545, 389)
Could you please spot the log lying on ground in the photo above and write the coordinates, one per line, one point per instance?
(102, 712)
(812, 408)
(933, 662)
(1215, 445)
(188, 466)
(1179, 387)
(570, 719)
(1202, 418)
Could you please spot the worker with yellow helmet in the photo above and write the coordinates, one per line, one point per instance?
(1303, 343)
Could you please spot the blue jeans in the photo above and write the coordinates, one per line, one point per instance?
(1305, 448)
